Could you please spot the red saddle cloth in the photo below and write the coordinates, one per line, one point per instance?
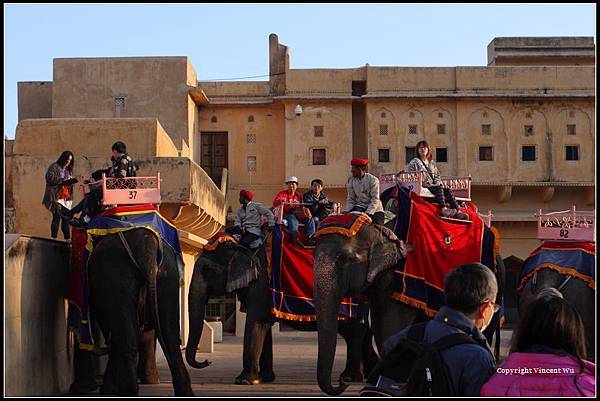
(347, 224)
(75, 291)
(292, 280)
(438, 247)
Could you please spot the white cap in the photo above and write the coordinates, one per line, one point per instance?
(291, 178)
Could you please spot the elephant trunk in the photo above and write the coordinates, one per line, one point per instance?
(327, 306)
(197, 298)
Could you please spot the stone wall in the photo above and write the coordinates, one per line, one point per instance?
(150, 86)
(35, 100)
(35, 320)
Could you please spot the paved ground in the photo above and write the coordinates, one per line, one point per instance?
(295, 355)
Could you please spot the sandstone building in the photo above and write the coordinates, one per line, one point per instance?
(523, 127)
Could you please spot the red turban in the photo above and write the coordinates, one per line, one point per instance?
(247, 194)
(359, 162)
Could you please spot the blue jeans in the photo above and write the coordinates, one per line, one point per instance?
(292, 226)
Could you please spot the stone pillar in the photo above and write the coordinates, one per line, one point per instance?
(188, 259)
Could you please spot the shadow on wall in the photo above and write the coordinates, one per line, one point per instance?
(38, 352)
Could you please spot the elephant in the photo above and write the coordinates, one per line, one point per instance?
(209, 279)
(85, 365)
(129, 288)
(346, 266)
(574, 290)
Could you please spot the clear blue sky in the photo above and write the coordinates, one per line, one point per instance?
(229, 41)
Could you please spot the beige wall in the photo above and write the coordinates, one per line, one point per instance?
(152, 86)
(515, 219)
(92, 137)
(398, 115)
(336, 119)
(188, 194)
(548, 97)
(517, 238)
(216, 90)
(38, 361)
(332, 81)
(492, 79)
(35, 100)
(192, 125)
(463, 120)
(268, 128)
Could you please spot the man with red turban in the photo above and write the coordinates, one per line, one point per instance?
(248, 220)
(363, 192)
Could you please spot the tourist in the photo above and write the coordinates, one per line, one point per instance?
(363, 192)
(432, 181)
(470, 291)
(547, 358)
(58, 195)
(288, 198)
(123, 166)
(248, 220)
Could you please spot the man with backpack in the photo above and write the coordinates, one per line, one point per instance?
(446, 356)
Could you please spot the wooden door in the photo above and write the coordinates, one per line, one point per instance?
(214, 154)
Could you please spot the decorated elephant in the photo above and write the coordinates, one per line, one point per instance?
(570, 268)
(134, 281)
(367, 261)
(210, 278)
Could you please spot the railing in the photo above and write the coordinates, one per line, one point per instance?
(278, 210)
(387, 181)
(487, 218)
(460, 186)
(128, 191)
(568, 225)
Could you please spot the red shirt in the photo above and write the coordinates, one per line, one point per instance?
(287, 197)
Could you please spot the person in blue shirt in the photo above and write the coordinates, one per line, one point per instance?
(470, 291)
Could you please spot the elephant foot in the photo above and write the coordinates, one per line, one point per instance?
(350, 375)
(150, 380)
(187, 392)
(267, 377)
(80, 388)
(126, 393)
(246, 379)
(112, 389)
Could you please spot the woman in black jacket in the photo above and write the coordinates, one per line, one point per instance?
(58, 195)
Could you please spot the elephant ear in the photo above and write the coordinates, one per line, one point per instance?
(242, 270)
(384, 252)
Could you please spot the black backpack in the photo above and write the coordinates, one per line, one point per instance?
(414, 368)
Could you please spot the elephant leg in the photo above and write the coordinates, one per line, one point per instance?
(114, 293)
(389, 318)
(170, 341)
(259, 320)
(353, 332)
(84, 372)
(254, 339)
(370, 357)
(266, 359)
(121, 374)
(147, 370)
